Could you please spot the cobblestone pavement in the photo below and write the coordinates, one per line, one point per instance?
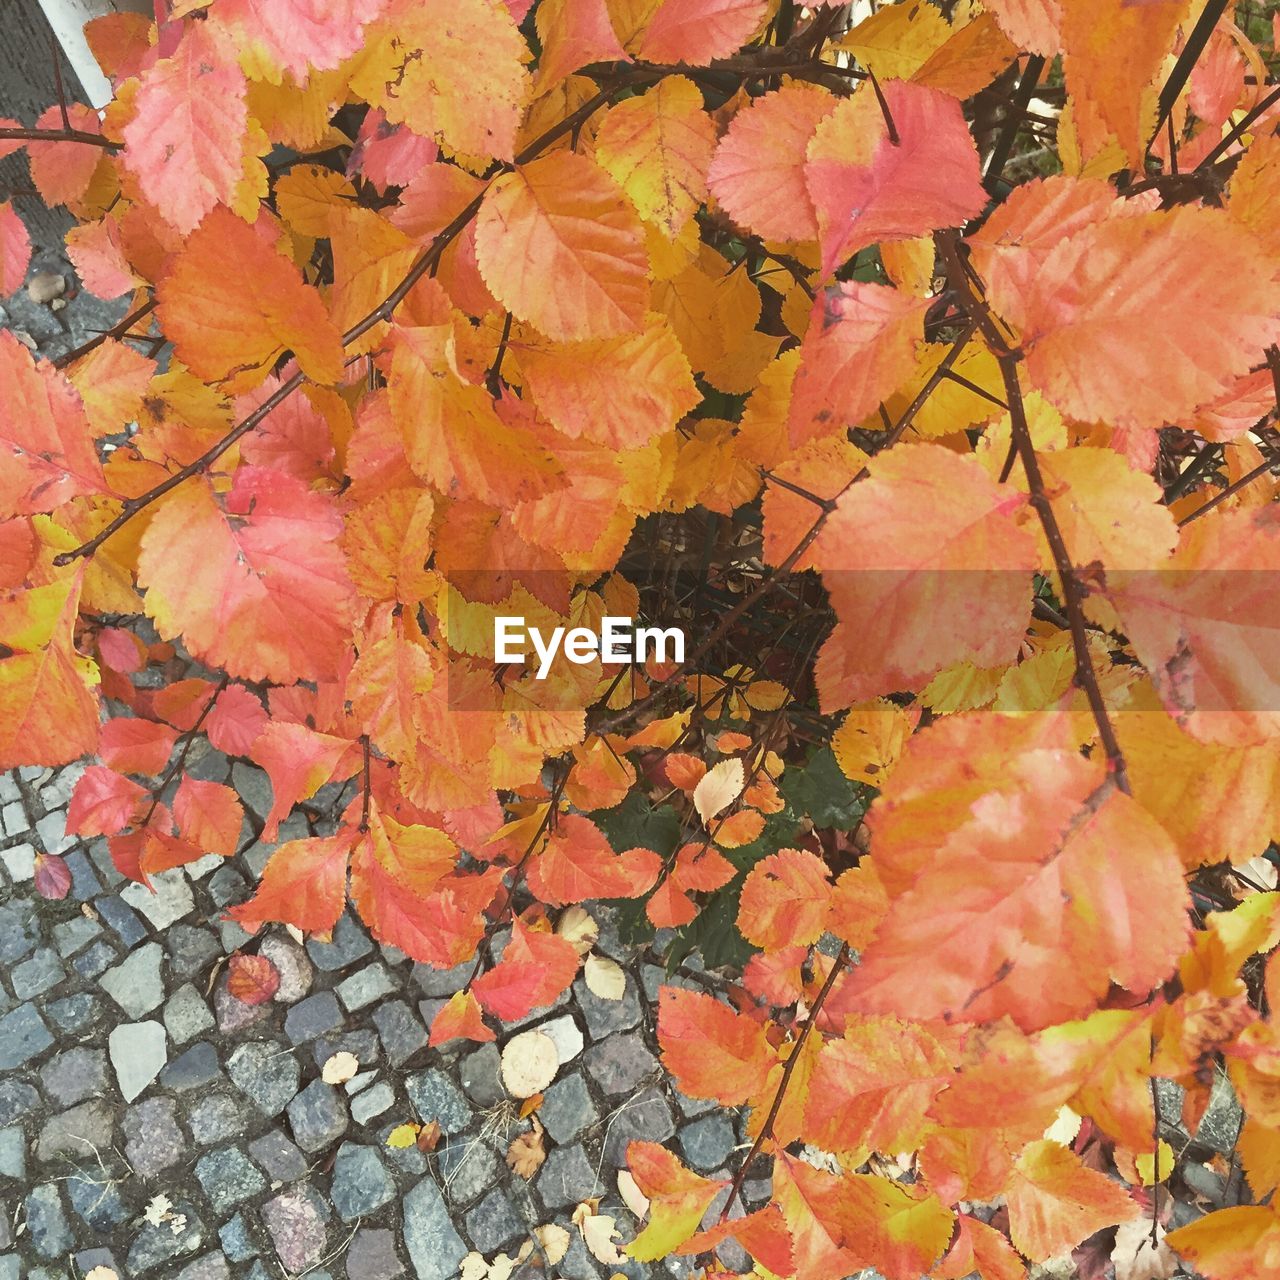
(127, 1070)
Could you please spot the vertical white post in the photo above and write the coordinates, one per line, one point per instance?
(67, 19)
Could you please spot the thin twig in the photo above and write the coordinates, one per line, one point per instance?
(1187, 59)
(10, 134)
(1001, 152)
(1230, 491)
(788, 1069)
(116, 331)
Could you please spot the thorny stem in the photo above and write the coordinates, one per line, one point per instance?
(1230, 491)
(365, 770)
(788, 1069)
(1072, 589)
(1013, 122)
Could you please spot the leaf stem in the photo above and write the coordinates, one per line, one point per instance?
(766, 1130)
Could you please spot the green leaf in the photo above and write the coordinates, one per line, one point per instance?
(821, 792)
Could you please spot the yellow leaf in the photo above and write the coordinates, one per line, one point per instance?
(403, 1136)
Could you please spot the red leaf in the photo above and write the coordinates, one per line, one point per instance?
(53, 876)
(460, 1019)
(535, 968)
(304, 884)
(209, 815)
(236, 721)
(136, 746)
(252, 979)
(578, 863)
(103, 803)
(710, 1050)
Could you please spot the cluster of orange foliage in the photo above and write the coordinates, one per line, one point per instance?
(463, 296)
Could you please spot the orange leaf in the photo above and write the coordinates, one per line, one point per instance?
(535, 968)
(710, 1050)
(263, 308)
(560, 218)
(763, 1234)
(15, 250)
(252, 979)
(1239, 1243)
(785, 900)
(136, 746)
(103, 803)
(186, 140)
(1055, 1201)
(304, 883)
(254, 582)
(677, 1196)
(697, 31)
(460, 1019)
(867, 187)
(208, 815)
(578, 864)
(48, 445)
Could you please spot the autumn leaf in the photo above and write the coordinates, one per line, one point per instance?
(254, 581)
(209, 815)
(677, 1196)
(561, 217)
(265, 308)
(784, 900)
(866, 185)
(535, 968)
(44, 430)
(15, 250)
(527, 1152)
(304, 883)
(252, 979)
(712, 1051)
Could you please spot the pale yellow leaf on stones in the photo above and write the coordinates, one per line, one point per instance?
(604, 978)
(339, 1068)
(529, 1063)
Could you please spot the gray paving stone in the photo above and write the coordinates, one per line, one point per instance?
(567, 1177)
(23, 1035)
(72, 935)
(292, 964)
(481, 1076)
(494, 1222)
(135, 983)
(236, 1241)
(10, 1267)
(121, 918)
(235, 1015)
(191, 950)
(366, 985)
(19, 931)
(73, 1014)
(268, 1074)
(372, 1102)
(99, 957)
(17, 1099)
(279, 1157)
(13, 1153)
(13, 817)
(400, 1031)
(227, 885)
(153, 1140)
(37, 974)
(209, 765)
(350, 943)
(372, 1256)
(213, 1266)
(51, 834)
(186, 1015)
(566, 1035)
(253, 787)
(84, 879)
(361, 1184)
(171, 900)
(194, 1069)
(295, 1221)
(646, 1116)
(363, 1045)
(619, 1064)
(317, 1116)
(87, 1259)
(153, 1246)
(435, 1248)
(138, 1052)
(229, 1177)
(47, 1227)
(20, 862)
(436, 1097)
(316, 1016)
(567, 1110)
(216, 1117)
(75, 1075)
(706, 1143)
(442, 982)
(468, 1167)
(95, 1198)
(604, 1017)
